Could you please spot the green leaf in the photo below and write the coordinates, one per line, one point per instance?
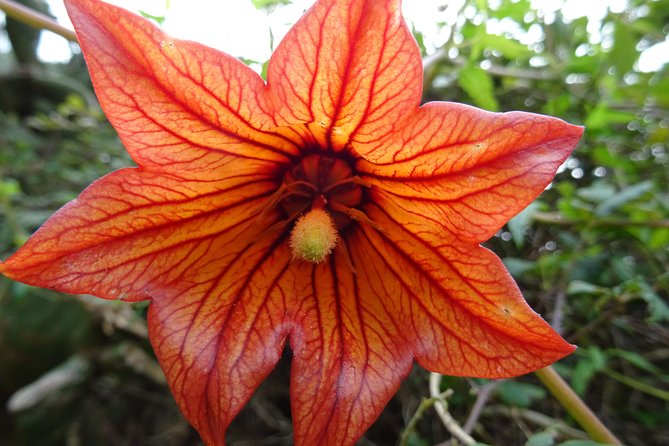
(602, 118)
(520, 394)
(624, 196)
(517, 267)
(546, 438)
(511, 49)
(624, 53)
(635, 359)
(598, 192)
(477, 83)
(520, 222)
(159, 19)
(582, 287)
(586, 368)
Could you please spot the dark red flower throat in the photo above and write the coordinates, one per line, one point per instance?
(322, 181)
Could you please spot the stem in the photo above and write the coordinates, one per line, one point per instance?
(576, 407)
(417, 416)
(35, 19)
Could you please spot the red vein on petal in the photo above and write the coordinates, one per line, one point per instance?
(410, 292)
(220, 102)
(435, 283)
(220, 130)
(488, 189)
(164, 226)
(130, 37)
(352, 42)
(238, 295)
(414, 178)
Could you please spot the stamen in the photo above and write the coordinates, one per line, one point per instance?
(356, 214)
(279, 225)
(350, 180)
(284, 191)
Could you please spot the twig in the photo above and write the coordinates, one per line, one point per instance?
(538, 419)
(555, 218)
(35, 19)
(440, 406)
(481, 399)
(558, 311)
(495, 70)
(425, 404)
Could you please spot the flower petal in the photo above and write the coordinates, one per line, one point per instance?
(178, 106)
(218, 340)
(350, 67)
(134, 235)
(348, 357)
(467, 170)
(461, 311)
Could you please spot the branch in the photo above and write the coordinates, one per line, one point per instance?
(538, 419)
(482, 397)
(35, 19)
(554, 218)
(494, 70)
(442, 410)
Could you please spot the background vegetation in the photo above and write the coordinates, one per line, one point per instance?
(591, 254)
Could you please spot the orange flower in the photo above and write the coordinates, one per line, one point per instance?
(396, 199)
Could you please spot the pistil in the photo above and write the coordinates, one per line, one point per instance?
(314, 236)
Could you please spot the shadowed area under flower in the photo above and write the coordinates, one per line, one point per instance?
(228, 164)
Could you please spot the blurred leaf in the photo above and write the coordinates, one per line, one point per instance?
(518, 224)
(657, 307)
(635, 359)
(159, 19)
(34, 320)
(581, 443)
(477, 83)
(624, 196)
(592, 362)
(509, 48)
(597, 192)
(582, 287)
(520, 394)
(546, 438)
(518, 267)
(624, 53)
(603, 118)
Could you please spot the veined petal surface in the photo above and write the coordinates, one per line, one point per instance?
(350, 67)
(349, 356)
(134, 235)
(219, 340)
(461, 311)
(178, 106)
(467, 170)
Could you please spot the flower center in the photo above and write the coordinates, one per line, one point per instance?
(320, 195)
(322, 182)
